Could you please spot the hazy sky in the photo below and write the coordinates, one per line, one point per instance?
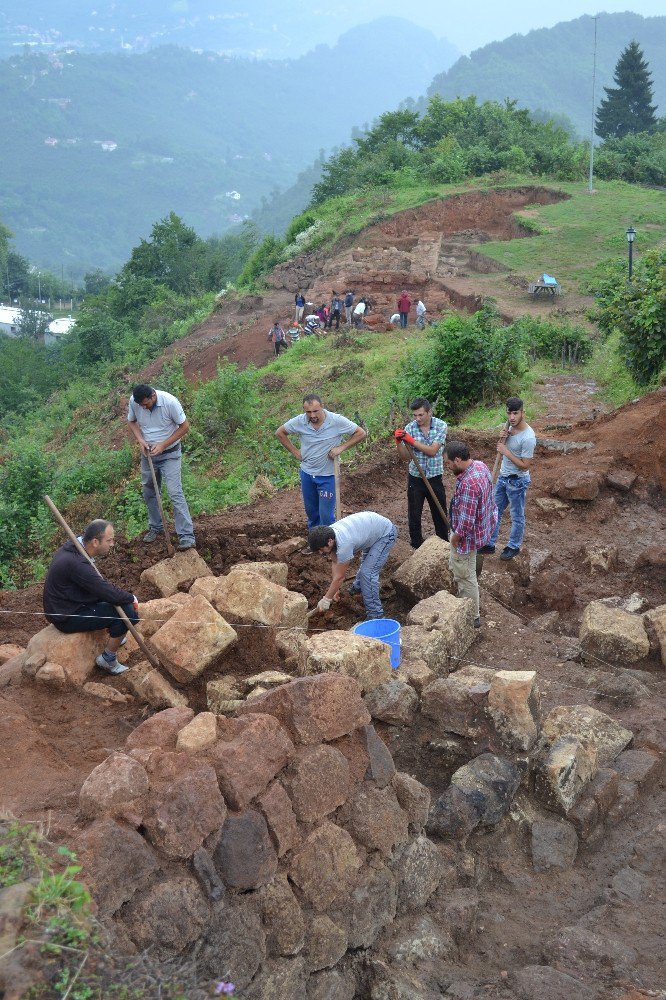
(475, 23)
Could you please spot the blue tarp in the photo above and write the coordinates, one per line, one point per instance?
(548, 279)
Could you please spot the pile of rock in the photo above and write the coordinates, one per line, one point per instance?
(275, 847)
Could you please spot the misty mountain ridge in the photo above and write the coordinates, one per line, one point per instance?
(551, 69)
(104, 145)
(269, 29)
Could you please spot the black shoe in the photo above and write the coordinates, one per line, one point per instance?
(184, 546)
(509, 553)
(487, 550)
(477, 623)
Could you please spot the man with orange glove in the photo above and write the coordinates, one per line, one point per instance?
(426, 435)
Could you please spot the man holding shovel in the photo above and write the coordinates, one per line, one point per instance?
(77, 599)
(158, 422)
(320, 434)
(425, 435)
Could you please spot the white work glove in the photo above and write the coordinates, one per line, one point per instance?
(324, 604)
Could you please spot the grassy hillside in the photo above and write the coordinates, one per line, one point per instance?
(551, 68)
(73, 446)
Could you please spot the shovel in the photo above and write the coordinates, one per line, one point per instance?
(158, 494)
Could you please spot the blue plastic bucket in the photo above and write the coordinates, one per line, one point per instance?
(386, 630)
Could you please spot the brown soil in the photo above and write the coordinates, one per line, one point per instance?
(50, 741)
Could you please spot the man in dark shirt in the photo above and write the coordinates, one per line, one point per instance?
(77, 599)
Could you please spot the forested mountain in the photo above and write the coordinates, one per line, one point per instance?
(98, 147)
(273, 29)
(551, 69)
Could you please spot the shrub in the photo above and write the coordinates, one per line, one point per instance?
(226, 403)
(563, 343)
(637, 309)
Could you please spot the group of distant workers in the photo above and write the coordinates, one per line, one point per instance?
(77, 599)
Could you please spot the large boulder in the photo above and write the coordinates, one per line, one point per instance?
(325, 867)
(167, 575)
(374, 817)
(655, 625)
(245, 856)
(394, 702)
(430, 646)
(425, 572)
(185, 804)
(562, 772)
(249, 754)
(452, 617)
(458, 703)
(116, 787)
(314, 709)
(249, 599)
(318, 782)
(160, 730)
(168, 916)
(276, 572)
(149, 685)
(194, 639)
(612, 636)
(513, 705)
(117, 862)
(199, 734)
(594, 729)
(75, 653)
(153, 614)
(368, 660)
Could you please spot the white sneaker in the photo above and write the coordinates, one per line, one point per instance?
(114, 667)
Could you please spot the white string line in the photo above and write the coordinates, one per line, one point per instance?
(450, 656)
(162, 621)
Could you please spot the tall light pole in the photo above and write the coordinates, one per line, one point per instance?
(590, 185)
(631, 236)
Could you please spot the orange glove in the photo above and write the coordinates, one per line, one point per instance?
(403, 436)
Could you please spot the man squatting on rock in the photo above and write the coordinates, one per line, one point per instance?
(158, 422)
(366, 532)
(427, 436)
(320, 432)
(473, 519)
(517, 445)
(77, 599)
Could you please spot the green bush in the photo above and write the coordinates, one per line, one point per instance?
(467, 360)
(226, 403)
(637, 310)
(563, 343)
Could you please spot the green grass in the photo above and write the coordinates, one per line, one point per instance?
(578, 234)
(607, 368)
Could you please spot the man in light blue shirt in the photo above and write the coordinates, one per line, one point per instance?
(158, 422)
(366, 532)
(516, 446)
(320, 432)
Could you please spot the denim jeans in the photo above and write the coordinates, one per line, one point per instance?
(510, 492)
(367, 578)
(318, 498)
(167, 469)
(403, 320)
(94, 617)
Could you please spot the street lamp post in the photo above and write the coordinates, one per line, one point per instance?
(631, 236)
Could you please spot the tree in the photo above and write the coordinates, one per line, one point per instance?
(627, 107)
(173, 256)
(33, 321)
(637, 309)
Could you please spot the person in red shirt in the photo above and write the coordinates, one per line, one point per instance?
(473, 519)
(404, 305)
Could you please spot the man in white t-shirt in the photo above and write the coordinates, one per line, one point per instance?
(158, 422)
(320, 432)
(517, 445)
(366, 532)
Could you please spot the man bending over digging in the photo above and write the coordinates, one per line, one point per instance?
(366, 532)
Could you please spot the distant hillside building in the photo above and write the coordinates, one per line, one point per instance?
(9, 321)
(57, 328)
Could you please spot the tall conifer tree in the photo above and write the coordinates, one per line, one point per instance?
(627, 107)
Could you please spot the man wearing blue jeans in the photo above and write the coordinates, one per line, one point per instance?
(77, 599)
(516, 446)
(158, 422)
(366, 532)
(320, 432)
